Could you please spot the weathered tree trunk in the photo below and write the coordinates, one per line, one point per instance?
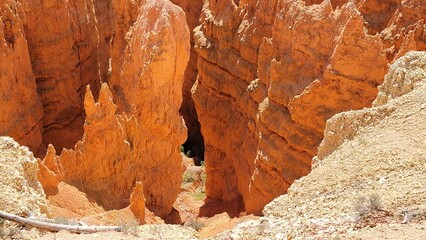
(57, 227)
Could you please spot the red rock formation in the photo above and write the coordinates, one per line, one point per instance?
(108, 167)
(147, 81)
(137, 202)
(150, 54)
(63, 43)
(272, 72)
(406, 29)
(21, 110)
(86, 166)
(118, 150)
(65, 54)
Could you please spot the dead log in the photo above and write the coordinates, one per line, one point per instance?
(57, 227)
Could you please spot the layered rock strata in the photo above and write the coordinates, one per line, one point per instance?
(55, 48)
(272, 72)
(375, 154)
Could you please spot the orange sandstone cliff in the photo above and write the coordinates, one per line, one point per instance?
(59, 49)
(63, 44)
(138, 139)
(21, 110)
(272, 72)
(368, 179)
(149, 85)
(52, 50)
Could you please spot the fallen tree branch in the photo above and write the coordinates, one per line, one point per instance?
(57, 227)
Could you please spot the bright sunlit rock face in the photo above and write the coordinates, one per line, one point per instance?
(272, 72)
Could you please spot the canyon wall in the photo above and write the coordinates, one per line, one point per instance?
(147, 82)
(104, 23)
(52, 50)
(269, 73)
(21, 111)
(138, 138)
(63, 43)
(369, 167)
(272, 72)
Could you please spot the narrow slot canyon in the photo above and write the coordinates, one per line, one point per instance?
(193, 113)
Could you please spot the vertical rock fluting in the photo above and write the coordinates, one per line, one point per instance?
(63, 43)
(141, 145)
(104, 17)
(272, 72)
(21, 110)
(95, 163)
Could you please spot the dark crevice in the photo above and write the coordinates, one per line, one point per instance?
(377, 14)
(193, 147)
(213, 206)
(8, 31)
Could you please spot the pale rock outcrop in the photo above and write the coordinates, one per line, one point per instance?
(21, 192)
(21, 110)
(405, 75)
(380, 153)
(155, 231)
(270, 74)
(163, 231)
